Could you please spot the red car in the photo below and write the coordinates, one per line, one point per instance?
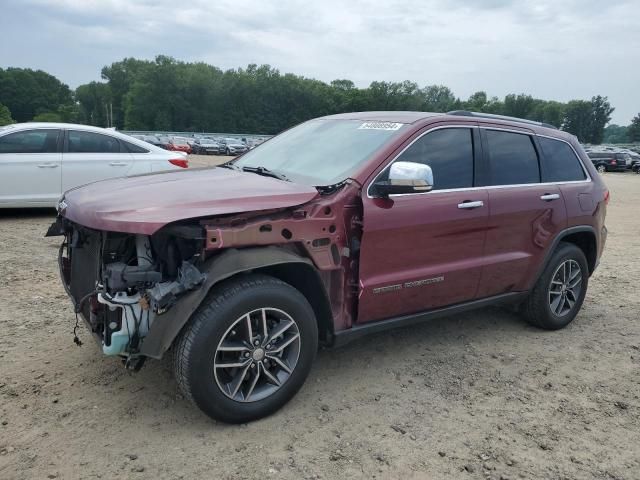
(179, 144)
(342, 226)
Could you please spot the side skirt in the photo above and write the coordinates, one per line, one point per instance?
(357, 331)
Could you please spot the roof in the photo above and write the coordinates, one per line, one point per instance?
(393, 116)
(415, 117)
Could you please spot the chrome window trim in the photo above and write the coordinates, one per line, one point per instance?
(487, 187)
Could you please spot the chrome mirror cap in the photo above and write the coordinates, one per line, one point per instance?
(414, 176)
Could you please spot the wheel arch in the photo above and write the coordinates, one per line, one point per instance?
(586, 241)
(584, 237)
(280, 263)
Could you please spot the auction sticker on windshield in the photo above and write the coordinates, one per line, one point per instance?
(380, 126)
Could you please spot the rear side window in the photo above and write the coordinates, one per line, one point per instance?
(132, 148)
(559, 162)
(449, 153)
(90, 142)
(512, 157)
(30, 141)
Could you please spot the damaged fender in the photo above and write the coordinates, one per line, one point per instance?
(167, 326)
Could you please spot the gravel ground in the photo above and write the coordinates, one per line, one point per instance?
(479, 395)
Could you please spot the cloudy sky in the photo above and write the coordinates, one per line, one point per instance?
(552, 49)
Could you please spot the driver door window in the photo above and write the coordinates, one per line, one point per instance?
(449, 153)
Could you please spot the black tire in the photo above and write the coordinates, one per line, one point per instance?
(601, 168)
(537, 309)
(195, 349)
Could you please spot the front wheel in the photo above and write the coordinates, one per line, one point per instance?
(559, 293)
(247, 350)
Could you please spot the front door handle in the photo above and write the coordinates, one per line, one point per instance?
(547, 197)
(468, 204)
(48, 165)
(118, 164)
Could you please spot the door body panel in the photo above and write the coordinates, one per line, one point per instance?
(30, 167)
(420, 252)
(521, 230)
(30, 178)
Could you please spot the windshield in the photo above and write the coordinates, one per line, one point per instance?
(321, 152)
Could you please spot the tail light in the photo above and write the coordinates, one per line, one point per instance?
(180, 162)
(607, 197)
(613, 161)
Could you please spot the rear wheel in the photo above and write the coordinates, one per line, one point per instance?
(601, 168)
(247, 350)
(559, 293)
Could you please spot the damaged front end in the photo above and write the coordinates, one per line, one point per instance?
(120, 283)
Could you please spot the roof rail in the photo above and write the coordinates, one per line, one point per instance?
(465, 113)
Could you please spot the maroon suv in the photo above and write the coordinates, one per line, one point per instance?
(344, 225)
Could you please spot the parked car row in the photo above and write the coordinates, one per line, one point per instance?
(200, 145)
(613, 159)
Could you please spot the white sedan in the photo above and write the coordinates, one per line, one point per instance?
(40, 161)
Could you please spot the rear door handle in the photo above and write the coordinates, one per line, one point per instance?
(48, 165)
(467, 204)
(547, 197)
(118, 164)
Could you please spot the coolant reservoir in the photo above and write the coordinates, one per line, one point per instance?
(131, 314)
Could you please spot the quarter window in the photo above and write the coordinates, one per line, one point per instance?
(559, 163)
(449, 153)
(133, 148)
(512, 157)
(90, 142)
(30, 141)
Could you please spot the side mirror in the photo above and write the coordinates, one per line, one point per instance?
(406, 177)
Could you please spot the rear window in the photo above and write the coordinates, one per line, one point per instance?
(512, 157)
(30, 141)
(91, 142)
(559, 162)
(600, 155)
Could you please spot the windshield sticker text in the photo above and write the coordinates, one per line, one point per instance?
(380, 126)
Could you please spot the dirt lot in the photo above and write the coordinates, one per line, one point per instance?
(480, 395)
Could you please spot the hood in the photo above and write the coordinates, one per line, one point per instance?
(146, 203)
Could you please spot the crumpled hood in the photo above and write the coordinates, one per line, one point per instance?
(146, 203)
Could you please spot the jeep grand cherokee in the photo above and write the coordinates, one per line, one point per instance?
(342, 226)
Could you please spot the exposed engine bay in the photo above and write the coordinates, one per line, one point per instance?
(137, 288)
(120, 283)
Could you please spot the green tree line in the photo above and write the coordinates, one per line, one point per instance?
(168, 94)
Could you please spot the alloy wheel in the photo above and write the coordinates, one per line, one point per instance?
(565, 287)
(257, 355)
